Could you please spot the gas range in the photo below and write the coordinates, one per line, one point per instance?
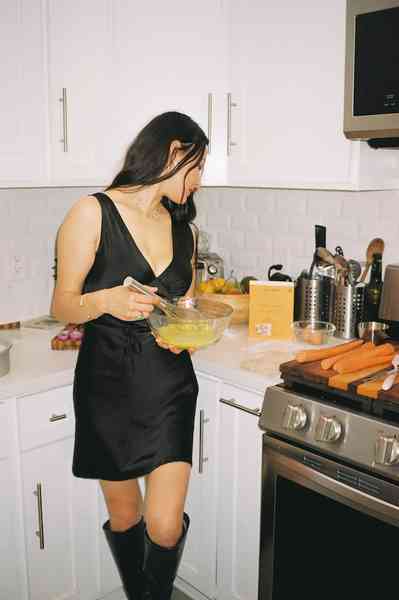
(351, 434)
(330, 496)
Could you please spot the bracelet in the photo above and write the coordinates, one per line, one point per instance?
(82, 303)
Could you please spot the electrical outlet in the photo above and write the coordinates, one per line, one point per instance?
(17, 267)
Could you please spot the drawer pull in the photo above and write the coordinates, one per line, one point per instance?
(40, 531)
(252, 411)
(202, 458)
(54, 418)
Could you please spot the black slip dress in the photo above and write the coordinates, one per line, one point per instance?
(134, 401)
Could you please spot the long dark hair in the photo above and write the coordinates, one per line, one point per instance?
(148, 154)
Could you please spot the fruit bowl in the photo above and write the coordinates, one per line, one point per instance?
(313, 332)
(238, 302)
(192, 333)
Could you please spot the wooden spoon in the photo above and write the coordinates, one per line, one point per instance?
(376, 246)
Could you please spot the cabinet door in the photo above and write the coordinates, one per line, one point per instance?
(11, 563)
(198, 567)
(288, 84)
(170, 56)
(239, 497)
(80, 63)
(23, 114)
(59, 538)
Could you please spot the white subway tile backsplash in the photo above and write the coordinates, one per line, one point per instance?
(245, 221)
(250, 228)
(292, 202)
(324, 205)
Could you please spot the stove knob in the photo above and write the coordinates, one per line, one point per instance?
(386, 449)
(295, 417)
(328, 429)
(212, 270)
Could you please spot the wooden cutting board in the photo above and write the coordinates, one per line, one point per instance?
(311, 372)
(391, 395)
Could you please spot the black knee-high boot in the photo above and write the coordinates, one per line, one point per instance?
(161, 565)
(127, 548)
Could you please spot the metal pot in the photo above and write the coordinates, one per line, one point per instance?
(5, 348)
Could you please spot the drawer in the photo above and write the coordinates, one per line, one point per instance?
(46, 417)
(241, 399)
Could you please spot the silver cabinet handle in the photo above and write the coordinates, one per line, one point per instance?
(252, 411)
(40, 531)
(63, 99)
(202, 458)
(57, 417)
(230, 105)
(210, 121)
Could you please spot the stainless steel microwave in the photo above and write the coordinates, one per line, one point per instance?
(372, 71)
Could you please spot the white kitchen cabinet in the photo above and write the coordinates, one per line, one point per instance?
(58, 508)
(287, 79)
(80, 42)
(198, 566)
(287, 67)
(122, 63)
(239, 495)
(12, 564)
(169, 56)
(23, 103)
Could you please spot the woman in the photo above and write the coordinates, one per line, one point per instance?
(134, 396)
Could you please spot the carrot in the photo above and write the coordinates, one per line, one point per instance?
(328, 363)
(372, 388)
(374, 351)
(310, 355)
(341, 382)
(380, 354)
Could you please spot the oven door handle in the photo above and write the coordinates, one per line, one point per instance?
(294, 467)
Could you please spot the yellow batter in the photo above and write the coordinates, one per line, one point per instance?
(188, 335)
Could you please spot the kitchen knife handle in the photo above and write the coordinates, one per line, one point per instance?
(320, 236)
(210, 122)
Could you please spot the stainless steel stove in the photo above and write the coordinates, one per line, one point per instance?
(330, 498)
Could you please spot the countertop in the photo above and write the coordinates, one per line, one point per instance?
(35, 367)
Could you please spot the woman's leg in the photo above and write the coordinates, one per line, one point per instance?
(165, 496)
(166, 528)
(125, 532)
(124, 503)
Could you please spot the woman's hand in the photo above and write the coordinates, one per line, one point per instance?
(173, 349)
(127, 305)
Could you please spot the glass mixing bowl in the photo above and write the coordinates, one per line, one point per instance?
(313, 332)
(208, 328)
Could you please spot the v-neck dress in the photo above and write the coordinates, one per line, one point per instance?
(134, 401)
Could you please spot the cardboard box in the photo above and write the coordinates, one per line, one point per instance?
(271, 310)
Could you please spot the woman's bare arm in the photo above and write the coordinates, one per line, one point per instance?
(77, 242)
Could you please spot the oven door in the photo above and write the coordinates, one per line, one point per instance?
(327, 530)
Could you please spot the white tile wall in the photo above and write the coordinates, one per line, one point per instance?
(250, 228)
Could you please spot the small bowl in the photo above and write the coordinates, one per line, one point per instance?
(196, 333)
(372, 331)
(313, 332)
